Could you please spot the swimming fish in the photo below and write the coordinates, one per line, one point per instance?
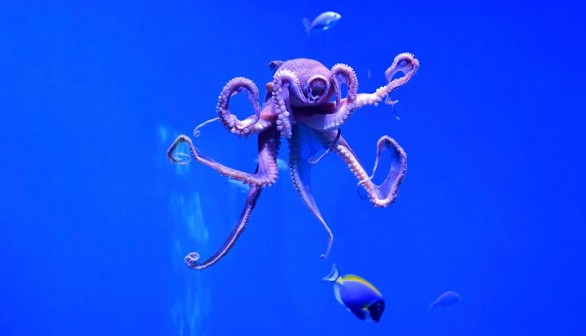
(447, 299)
(357, 295)
(324, 21)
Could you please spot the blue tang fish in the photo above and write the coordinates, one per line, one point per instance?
(324, 21)
(357, 295)
(447, 299)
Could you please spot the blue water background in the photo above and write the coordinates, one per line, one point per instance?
(94, 221)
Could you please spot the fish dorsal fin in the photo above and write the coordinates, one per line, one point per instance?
(352, 277)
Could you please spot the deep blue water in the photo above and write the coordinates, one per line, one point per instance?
(95, 221)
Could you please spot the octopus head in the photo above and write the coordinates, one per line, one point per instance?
(313, 82)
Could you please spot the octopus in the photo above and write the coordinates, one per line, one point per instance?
(305, 105)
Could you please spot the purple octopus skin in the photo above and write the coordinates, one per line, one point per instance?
(304, 105)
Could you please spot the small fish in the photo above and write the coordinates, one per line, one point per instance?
(324, 21)
(447, 299)
(357, 295)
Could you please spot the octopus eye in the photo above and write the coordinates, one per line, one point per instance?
(318, 86)
(275, 65)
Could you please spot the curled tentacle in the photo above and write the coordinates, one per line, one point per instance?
(404, 63)
(285, 81)
(179, 158)
(192, 259)
(385, 193)
(250, 125)
(265, 175)
(267, 171)
(344, 73)
(197, 132)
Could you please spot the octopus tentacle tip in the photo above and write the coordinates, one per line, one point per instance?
(390, 101)
(180, 158)
(191, 259)
(323, 257)
(196, 130)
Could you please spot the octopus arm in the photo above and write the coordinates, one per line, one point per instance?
(405, 64)
(192, 259)
(265, 175)
(303, 146)
(385, 193)
(251, 125)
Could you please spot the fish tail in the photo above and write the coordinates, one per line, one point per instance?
(333, 276)
(306, 24)
(430, 307)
